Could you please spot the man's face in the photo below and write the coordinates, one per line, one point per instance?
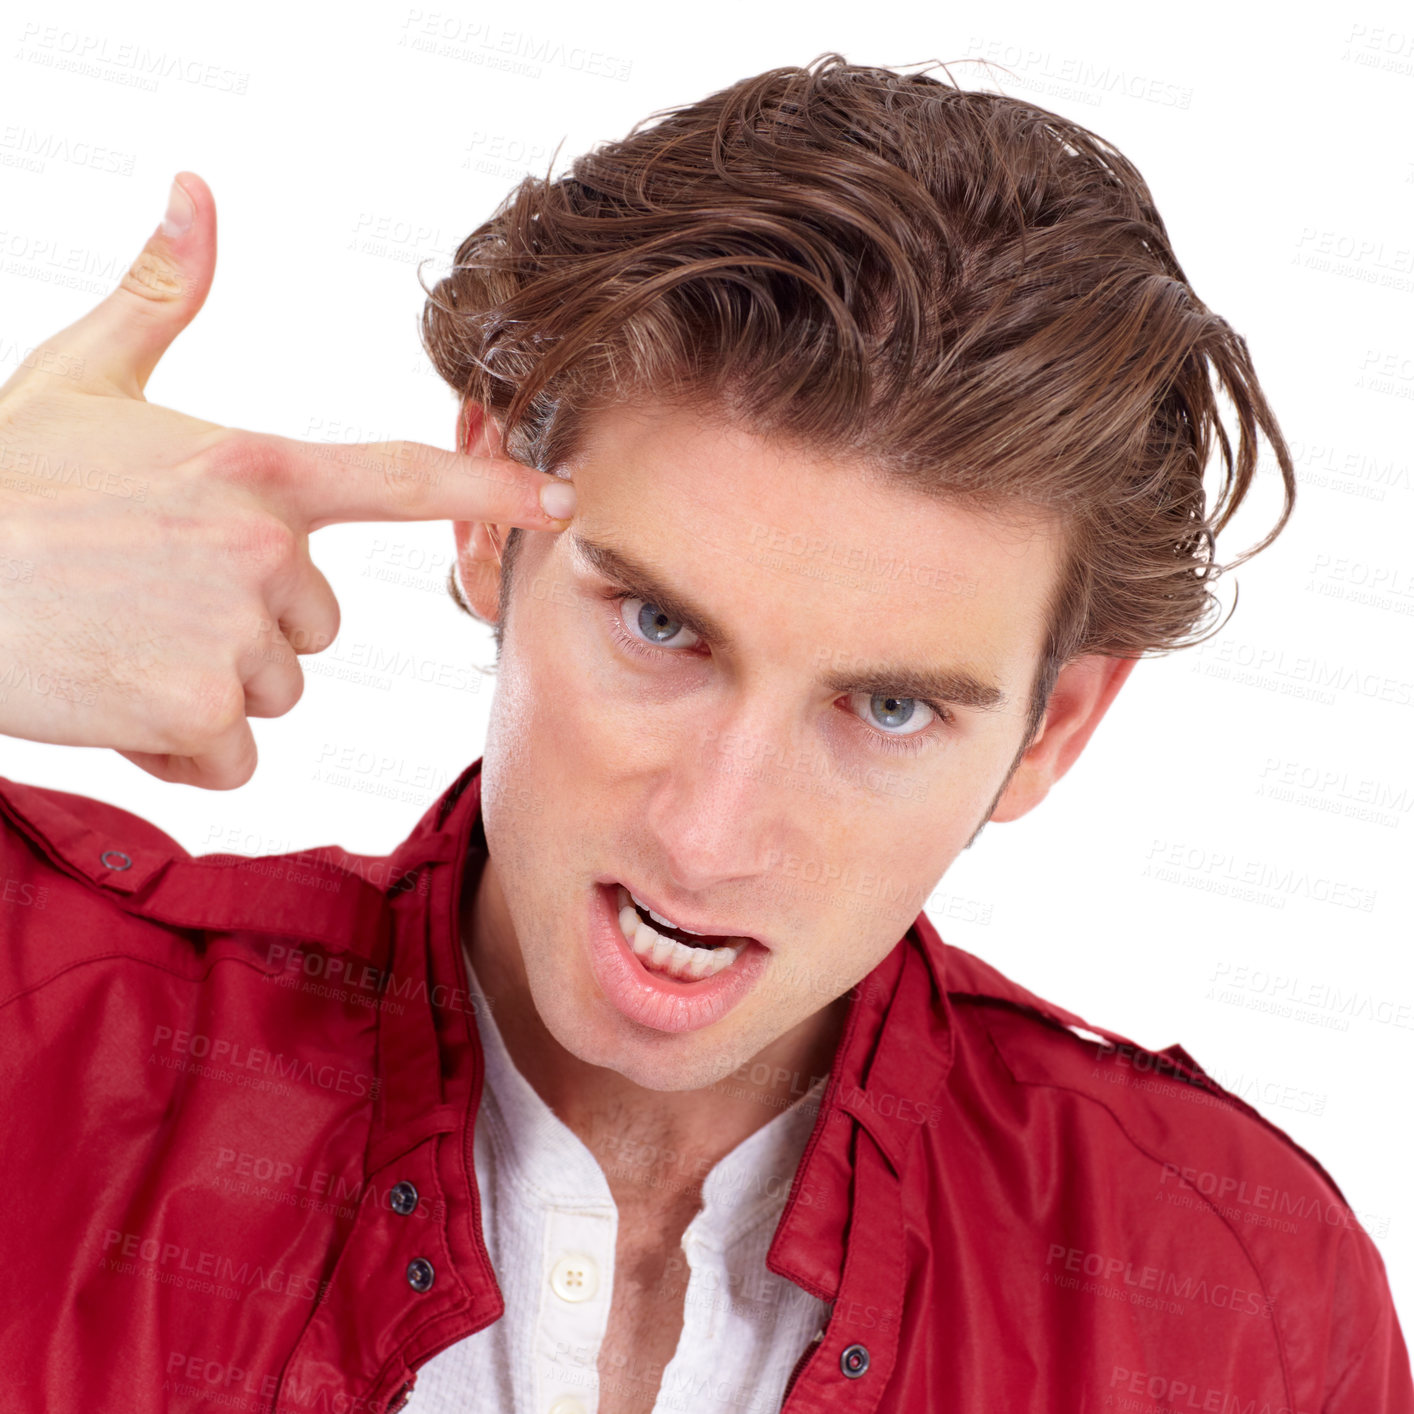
(736, 779)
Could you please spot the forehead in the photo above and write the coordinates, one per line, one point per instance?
(864, 561)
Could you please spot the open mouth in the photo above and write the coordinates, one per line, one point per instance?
(661, 975)
(675, 952)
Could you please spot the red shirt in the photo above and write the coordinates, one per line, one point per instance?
(237, 1099)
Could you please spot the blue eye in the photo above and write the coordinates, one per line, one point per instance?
(902, 712)
(895, 723)
(654, 624)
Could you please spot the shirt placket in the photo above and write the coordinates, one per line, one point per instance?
(576, 1282)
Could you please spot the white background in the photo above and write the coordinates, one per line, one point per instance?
(340, 153)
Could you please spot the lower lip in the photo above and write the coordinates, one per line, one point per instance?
(651, 998)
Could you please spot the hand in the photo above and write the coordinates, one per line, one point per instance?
(155, 579)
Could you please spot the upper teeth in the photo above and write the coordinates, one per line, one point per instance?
(666, 922)
(672, 955)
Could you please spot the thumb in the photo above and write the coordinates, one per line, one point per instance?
(121, 339)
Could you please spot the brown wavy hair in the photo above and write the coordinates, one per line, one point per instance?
(967, 291)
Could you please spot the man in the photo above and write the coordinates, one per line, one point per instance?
(634, 1079)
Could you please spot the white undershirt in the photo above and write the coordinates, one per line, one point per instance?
(551, 1225)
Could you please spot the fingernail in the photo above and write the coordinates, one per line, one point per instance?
(180, 211)
(557, 499)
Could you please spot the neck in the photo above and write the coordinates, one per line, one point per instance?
(655, 1146)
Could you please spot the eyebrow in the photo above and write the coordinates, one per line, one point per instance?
(955, 686)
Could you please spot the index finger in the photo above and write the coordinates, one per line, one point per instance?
(315, 484)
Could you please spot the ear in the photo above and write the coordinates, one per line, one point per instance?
(1084, 689)
(478, 544)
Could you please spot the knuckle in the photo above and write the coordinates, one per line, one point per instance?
(272, 543)
(237, 776)
(312, 637)
(247, 459)
(292, 686)
(213, 704)
(270, 646)
(411, 471)
(228, 773)
(155, 277)
(333, 619)
(262, 541)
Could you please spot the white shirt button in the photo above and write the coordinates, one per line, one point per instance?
(567, 1404)
(575, 1277)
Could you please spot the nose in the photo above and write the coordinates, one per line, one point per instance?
(722, 810)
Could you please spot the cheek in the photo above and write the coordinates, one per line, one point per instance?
(557, 698)
(878, 855)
